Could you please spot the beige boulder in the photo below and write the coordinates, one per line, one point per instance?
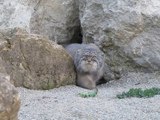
(9, 99)
(34, 62)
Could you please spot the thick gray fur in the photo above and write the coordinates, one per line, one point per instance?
(86, 76)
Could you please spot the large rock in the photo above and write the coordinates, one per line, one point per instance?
(35, 62)
(9, 99)
(56, 19)
(128, 31)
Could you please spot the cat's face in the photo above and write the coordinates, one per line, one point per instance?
(89, 60)
(89, 63)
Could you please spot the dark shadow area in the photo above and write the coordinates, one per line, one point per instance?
(77, 37)
(101, 81)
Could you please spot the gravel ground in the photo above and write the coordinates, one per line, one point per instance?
(64, 103)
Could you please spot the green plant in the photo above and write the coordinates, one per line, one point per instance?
(138, 92)
(89, 94)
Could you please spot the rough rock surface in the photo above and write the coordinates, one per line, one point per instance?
(128, 31)
(9, 99)
(35, 62)
(56, 19)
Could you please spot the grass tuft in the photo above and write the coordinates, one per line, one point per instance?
(138, 92)
(89, 94)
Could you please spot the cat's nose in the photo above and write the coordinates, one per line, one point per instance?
(89, 61)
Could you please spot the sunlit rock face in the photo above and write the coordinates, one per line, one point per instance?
(56, 19)
(9, 99)
(128, 31)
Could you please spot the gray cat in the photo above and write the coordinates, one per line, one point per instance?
(89, 63)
